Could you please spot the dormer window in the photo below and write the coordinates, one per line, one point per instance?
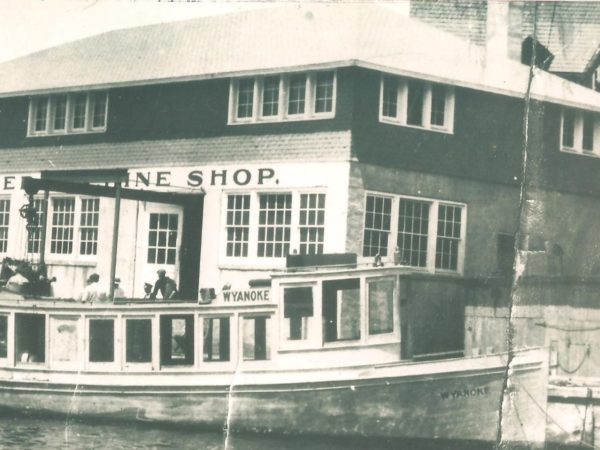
(299, 96)
(68, 114)
(580, 132)
(416, 103)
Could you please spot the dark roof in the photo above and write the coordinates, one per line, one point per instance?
(284, 38)
(315, 147)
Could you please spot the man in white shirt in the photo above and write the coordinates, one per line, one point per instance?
(92, 292)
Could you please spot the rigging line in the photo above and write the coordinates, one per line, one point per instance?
(572, 371)
(565, 329)
(548, 416)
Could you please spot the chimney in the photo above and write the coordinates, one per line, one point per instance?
(496, 44)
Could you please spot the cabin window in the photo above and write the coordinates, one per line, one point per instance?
(298, 311)
(64, 336)
(4, 216)
(177, 340)
(381, 306)
(30, 337)
(255, 344)
(162, 238)
(138, 341)
(580, 132)
(102, 340)
(66, 236)
(298, 96)
(216, 339)
(3, 336)
(378, 213)
(238, 224)
(34, 238)
(416, 103)
(274, 225)
(68, 114)
(341, 310)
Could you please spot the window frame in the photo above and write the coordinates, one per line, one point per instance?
(117, 340)
(270, 349)
(252, 257)
(432, 234)
(8, 199)
(154, 350)
(51, 103)
(401, 118)
(283, 100)
(314, 328)
(233, 337)
(578, 135)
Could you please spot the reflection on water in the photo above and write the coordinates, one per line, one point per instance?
(38, 433)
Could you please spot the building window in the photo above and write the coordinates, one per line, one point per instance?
(297, 312)
(378, 214)
(427, 233)
(4, 217)
(68, 113)
(417, 103)
(162, 238)
(580, 132)
(138, 346)
(102, 340)
(216, 339)
(238, 224)
(312, 223)
(34, 237)
(341, 310)
(274, 225)
(254, 334)
(297, 96)
(65, 235)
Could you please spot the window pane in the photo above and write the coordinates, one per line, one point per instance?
(238, 224)
(312, 223)
(381, 306)
(3, 336)
(448, 237)
(34, 237)
(377, 225)
(139, 340)
(99, 109)
(177, 340)
(414, 113)
(324, 92)
(162, 238)
(245, 98)
(341, 310)
(63, 218)
(270, 106)
(4, 216)
(88, 229)
(254, 331)
(60, 112)
(275, 216)
(64, 337)
(413, 229)
(79, 102)
(297, 94)
(41, 113)
(438, 104)
(30, 337)
(298, 311)
(102, 340)
(390, 97)
(216, 339)
(588, 132)
(568, 131)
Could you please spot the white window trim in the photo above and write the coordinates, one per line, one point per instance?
(282, 114)
(10, 220)
(431, 233)
(315, 329)
(401, 105)
(68, 129)
(75, 255)
(253, 259)
(578, 134)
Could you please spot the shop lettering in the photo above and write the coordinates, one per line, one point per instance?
(198, 178)
(465, 393)
(251, 295)
(8, 183)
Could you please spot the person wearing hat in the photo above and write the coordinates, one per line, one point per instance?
(164, 284)
(147, 290)
(118, 292)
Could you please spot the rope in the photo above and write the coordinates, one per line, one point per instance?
(572, 371)
(565, 329)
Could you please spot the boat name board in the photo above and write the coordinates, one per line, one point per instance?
(464, 393)
(245, 296)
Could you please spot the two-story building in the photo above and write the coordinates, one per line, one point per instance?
(313, 129)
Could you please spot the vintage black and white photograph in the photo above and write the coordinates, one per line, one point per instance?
(300, 225)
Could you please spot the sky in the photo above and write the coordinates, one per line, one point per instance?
(30, 25)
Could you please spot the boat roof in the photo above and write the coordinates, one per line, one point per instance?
(283, 38)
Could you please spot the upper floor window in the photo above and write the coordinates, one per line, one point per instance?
(298, 96)
(427, 233)
(272, 225)
(68, 113)
(416, 103)
(580, 132)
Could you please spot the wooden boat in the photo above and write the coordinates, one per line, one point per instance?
(316, 351)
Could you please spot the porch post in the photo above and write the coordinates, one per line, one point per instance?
(115, 241)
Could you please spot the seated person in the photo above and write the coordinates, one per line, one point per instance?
(92, 291)
(166, 286)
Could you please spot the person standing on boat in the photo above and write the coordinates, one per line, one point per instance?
(92, 291)
(164, 284)
(119, 292)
